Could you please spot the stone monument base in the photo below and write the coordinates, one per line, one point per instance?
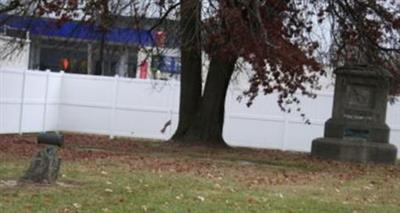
(354, 150)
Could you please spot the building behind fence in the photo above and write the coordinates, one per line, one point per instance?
(32, 101)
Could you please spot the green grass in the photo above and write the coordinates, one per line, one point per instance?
(106, 186)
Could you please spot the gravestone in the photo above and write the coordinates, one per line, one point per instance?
(357, 130)
(45, 165)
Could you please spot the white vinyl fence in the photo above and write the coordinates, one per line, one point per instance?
(34, 101)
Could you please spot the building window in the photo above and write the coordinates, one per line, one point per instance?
(13, 32)
(56, 59)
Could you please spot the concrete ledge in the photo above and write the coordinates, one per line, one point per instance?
(352, 150)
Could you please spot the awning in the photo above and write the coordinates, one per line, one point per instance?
(76, 30)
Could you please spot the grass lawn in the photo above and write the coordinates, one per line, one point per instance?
(123, 175)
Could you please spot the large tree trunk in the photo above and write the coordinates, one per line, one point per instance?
(201, 117)
(208, 124)
(191, 66)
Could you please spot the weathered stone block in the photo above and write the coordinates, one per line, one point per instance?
(354, 150)
(44, 167)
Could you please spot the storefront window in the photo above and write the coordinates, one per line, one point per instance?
(57, 59)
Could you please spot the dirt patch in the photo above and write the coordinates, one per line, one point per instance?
(8, 183)
(16, 183)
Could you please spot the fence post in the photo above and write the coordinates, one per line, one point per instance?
(45, 100)
(21, 111)
(59, 99)
(285, 130)
(113, 107)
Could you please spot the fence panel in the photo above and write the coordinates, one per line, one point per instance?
(393, 120)
(24, 101)
(53, 101)
(85, 104)
(143, 108)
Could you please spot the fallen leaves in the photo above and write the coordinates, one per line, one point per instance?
(251, 200)
(368, 187)
(202, 199)
(128, 189)
(179, 197)
(77, 205)
(225, 180)
(262, 167)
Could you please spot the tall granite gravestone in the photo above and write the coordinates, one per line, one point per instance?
(357, 130)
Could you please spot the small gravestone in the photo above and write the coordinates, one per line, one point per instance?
(357, 130)
(45, 165)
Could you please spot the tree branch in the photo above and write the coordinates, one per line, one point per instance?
(160, 21)
(14, 4)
